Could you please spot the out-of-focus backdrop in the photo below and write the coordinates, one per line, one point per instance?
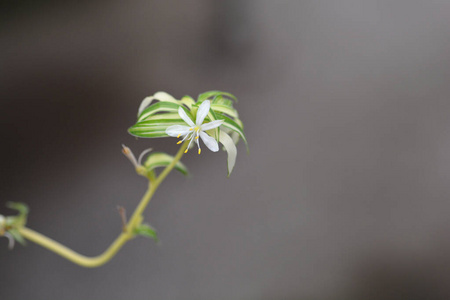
(345, 193)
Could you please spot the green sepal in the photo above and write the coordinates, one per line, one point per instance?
(147, 231)
(161, 159)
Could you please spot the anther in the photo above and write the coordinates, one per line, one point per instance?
(196, 137)
(190, 129)
(178, 136)
(199, 151)
(186, 151)
(179, 142)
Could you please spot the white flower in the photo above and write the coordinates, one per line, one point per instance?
(197, 129)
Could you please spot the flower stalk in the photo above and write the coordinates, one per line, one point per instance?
(120, 241)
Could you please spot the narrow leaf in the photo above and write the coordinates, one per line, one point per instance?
(222, 101)
(230, 147)
(230, 124)
(160, 159)
(225, 110)
(22, 208)
(147, 231)
(160, 107)
(161, 96)
(153, 128)
(210, 94)
(188, 101)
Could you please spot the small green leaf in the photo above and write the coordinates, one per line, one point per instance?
(147, 231)
(210, 94)
(17, 236)
(22, 208)
(161, 159)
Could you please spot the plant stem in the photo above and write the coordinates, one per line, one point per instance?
(136, 218)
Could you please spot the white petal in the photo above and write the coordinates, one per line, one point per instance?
(210, 142)
(229, 145)
(185, 117)
(175, 130)
(211, 125)
(202, 112)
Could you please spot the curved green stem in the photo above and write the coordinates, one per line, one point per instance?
(136, 218)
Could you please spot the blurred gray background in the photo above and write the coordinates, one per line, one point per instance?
(345, 193)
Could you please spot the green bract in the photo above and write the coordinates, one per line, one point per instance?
(160, 111)
(9, 224)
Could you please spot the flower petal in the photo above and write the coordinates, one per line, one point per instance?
(202, 112)
(176, 130)
(211, 125)
(210, 142)
(185, 117)
(229, 145)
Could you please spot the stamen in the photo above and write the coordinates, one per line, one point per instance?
(186, 151)
(191, 139)
(198, 143)
(178, 136)
(190, 129)
(179, 142)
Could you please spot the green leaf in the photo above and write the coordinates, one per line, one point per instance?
(161, 96)
(188, 101)
(22, 208)
(220, 100)
(160, 159)
(153, 128)
(230, 147)
(230, 124)
(225, 110)
(160, 107)
(212, 117)
(210, 94)
(147, 231)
